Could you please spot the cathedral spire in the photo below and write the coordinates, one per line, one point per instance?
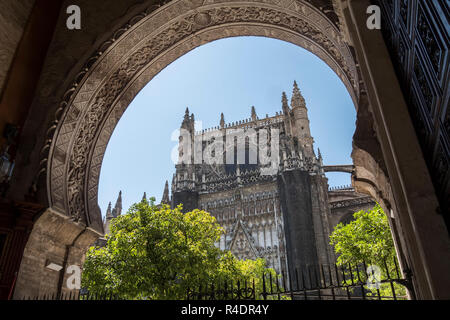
(297, 98)
(285, 103)
(165, 197)
(117, 211)
(144, 197)
(222, 121)
(320, 159)
(108, 212)
(188, 121)
(254, 115)
(300, 126)
(109, 216)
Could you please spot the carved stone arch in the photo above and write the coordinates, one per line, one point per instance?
(111, 78)
(140, 51)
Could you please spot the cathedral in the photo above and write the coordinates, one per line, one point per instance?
(61, 102)
(284, 215)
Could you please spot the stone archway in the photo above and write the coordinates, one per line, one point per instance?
(112, 77)
(143, 50)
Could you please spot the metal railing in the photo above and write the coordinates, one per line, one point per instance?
(320, 282)
(323, 282)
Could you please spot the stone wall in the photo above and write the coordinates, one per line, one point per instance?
(189, 199)
(320, 214)
(67, 53)
(344, 203)
(296, 203)
(54, 239)
(13, 18)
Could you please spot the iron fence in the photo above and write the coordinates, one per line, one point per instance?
(319, 282)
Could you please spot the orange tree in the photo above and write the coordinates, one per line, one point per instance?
(368, 238)
(155, 252)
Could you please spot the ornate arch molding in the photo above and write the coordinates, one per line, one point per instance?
(124, 65)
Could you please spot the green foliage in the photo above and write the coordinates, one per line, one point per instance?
(159, 253)
(368, 238)
(248, 273)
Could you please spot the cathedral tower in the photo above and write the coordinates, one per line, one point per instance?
(114, 213)
(185, 179)
(301, 128)
(117, 211)
(281, 216)
(165, 198)
(108, 219)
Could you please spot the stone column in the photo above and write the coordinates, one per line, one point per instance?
(55, 239)
(321, 211)
(295, 199)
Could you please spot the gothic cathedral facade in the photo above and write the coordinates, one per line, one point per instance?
(281, 210)
(284, 215)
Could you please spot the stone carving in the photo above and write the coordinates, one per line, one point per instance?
(82, 115)
(351, 202)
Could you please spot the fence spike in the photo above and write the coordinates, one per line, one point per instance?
(308, 268)
(338, 283)
(284, 280)
(323, 276)
(226, 286)
(351, 273)
(303, 284)
(290, 287)
(253, 288)
(264, 287)
(278, 287)
(396, 267)
(317, 282)
(390, 280)
(365, 270)
(357, 273)
(270, 279)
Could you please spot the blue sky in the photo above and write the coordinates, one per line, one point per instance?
(230, 76)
